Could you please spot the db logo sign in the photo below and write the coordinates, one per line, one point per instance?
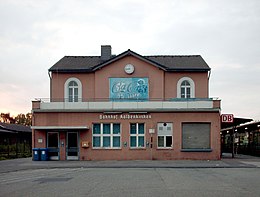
(229, 118)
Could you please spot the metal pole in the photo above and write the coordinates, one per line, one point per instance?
(233, 142)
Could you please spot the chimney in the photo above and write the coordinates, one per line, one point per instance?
(105, 52)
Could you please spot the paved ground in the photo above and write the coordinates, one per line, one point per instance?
(240, 161)
(228, 177)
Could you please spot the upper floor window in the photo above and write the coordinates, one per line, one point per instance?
(185, 88)
(73, 90)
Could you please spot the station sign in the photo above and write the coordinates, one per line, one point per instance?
(227, 118)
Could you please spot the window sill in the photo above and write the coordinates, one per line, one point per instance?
(102, 148)
(196, 150)
(137, 148)
(164, 148)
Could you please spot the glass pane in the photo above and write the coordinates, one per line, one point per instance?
(132, 141)
(53, 140)
(73, 83)
(70, 95)
(182, 92)
(160, 141)
(72, 140)
(140, 141)
(188, 92)
(96, 141)
(168, 141)
(116, 128)
(96, 129)
(76, 95)
(141, 128)
(116, 141)
(106, 141)
(70, 91)
(106, 128)
(185, 83)
(132, 128)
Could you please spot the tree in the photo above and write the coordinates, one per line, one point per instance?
(6, 118)
(23, 119)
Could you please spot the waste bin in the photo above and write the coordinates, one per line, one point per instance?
(44, 154)
(36, 154)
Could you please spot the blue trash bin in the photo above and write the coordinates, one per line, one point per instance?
(44, 154)
(36, 154)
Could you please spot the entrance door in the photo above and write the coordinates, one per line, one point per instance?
(53, 145)
(72, 146)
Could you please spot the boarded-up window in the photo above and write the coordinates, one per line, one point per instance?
(196, 136)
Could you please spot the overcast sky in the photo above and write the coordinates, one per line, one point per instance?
(35, 34)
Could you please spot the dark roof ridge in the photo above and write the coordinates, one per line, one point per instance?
(171, 55)
(83, 56)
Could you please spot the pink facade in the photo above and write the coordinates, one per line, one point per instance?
(128, 107)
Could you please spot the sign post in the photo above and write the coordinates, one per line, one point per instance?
(229, 118)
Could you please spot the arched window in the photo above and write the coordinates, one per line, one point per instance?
(73, 90)
(185, 88)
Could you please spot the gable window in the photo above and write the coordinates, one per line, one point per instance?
(185, 88)
(73, 90)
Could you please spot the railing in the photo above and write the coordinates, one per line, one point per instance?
(48, 100)
(104, 104)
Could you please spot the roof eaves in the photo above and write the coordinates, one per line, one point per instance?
(83, 70)
(188, 69)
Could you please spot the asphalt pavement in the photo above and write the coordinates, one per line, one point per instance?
(240, 161)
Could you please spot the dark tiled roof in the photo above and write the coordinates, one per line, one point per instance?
(180, 62)
(15, 127)
(167, 63)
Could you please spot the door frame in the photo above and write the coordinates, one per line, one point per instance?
(78, 148)
(52, 149)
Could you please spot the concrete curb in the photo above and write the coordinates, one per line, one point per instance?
(28, 164)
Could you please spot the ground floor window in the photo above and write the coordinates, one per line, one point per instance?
(106, 135)
(164, 134)
(196, 135)
(137, 135)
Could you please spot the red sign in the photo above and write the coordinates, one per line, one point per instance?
(228, 118)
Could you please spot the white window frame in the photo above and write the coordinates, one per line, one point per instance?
(192, 87)
(66, 89)
(137, 135)
(164, 134)
(102, 135)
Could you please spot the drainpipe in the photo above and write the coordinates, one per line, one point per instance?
(49, 73)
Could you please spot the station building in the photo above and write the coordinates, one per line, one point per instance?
(128, 107)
